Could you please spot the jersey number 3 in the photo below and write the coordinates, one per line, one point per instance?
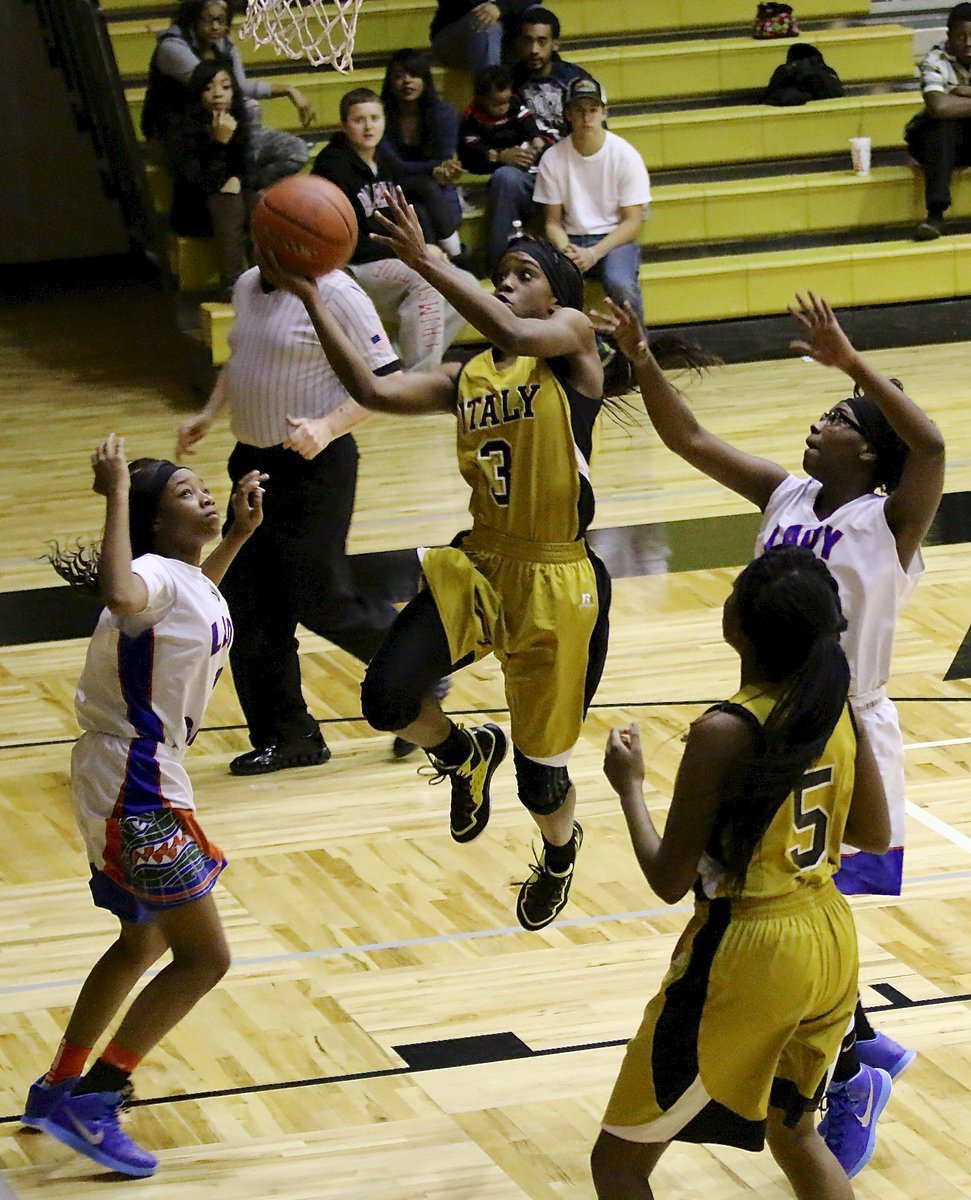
(496, 458)
(814, 819)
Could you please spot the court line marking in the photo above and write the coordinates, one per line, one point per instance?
(946, 831)
(469, 935)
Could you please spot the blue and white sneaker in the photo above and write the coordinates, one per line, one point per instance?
(89, 1124)
(882, 1051)
(43, 1098)
(849, 1128)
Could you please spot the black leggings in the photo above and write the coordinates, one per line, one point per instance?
(410, 661)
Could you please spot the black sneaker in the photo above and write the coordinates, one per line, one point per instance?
(470, 782)
(544, 894)
(929, 229)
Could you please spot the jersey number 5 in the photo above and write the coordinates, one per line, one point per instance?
(496, 458)
(816, 819)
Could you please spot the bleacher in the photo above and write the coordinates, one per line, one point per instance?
(750, 201)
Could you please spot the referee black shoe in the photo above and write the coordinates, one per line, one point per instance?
(469, 814)
(544, 894)
(309, 751)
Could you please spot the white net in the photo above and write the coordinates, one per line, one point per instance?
(320, 31)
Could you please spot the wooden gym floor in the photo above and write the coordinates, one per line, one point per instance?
(387, 1032)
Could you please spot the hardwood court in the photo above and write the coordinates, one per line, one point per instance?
(331, 1062)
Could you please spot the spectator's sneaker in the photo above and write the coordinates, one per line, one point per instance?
(884, 1052)
(929, 229)
(544, 894)
(849, 1128)
(89, 1124)
(470, 782)
(43, 1098)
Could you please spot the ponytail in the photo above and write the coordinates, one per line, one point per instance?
(789, 610)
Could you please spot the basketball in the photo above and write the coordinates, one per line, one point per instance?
(308, 223)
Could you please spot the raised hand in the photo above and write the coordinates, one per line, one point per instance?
(825, 340)
(247, 502)
(403, 232)
(623, 326)
(278, 277)
(623, 759)
(110, 467)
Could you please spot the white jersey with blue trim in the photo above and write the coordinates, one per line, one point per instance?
(858, 546)
(150, 675)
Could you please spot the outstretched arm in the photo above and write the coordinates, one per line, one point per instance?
(411, 392)
(120, 588)
(913, 502)
(563, 333)
(754, 478)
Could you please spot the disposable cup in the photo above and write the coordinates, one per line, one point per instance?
(860, 153)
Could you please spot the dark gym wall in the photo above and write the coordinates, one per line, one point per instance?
(51, 194)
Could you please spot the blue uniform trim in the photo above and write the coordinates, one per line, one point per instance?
(865, 874)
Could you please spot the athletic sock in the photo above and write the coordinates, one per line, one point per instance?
(110, 1072)
(560, 858)
(68, 1061)
(861, 1024)
(848, 1062)
(454, 750)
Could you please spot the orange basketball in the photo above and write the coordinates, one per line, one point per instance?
(308, 223)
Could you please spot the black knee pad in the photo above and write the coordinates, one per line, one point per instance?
(385, 708)
(541, 789)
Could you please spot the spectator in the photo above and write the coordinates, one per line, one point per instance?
(209, 154)
(498, 129)
(940, 137)
(200, 33)
(426, 323)
(595, 188)
(472, 35)
(541, 80)
(420, 145)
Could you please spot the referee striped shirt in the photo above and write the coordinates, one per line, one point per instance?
(278, 367)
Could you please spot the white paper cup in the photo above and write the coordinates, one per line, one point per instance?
(860, 153)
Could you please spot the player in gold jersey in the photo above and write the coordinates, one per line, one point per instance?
(763, 983)
(522, 584)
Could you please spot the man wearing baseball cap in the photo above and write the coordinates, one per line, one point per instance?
(595, 188)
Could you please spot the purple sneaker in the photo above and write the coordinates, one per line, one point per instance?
(882, 1051)
(43, 1098)
(849, 1128)
(89, 1124)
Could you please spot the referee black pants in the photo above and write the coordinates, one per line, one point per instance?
(294, 570)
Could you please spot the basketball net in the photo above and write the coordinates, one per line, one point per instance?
(321, 31)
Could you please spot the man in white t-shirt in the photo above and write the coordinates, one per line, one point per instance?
(595, 188)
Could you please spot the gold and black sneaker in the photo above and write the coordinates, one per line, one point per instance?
(544, 894)
(470, 782)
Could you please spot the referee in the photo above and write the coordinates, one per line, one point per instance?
(291, 418)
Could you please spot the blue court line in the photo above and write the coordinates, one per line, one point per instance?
(442, 938)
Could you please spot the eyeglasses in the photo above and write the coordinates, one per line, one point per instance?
(839, 416)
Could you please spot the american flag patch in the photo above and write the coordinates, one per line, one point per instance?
(375, 338)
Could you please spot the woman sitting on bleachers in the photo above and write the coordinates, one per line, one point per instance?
(208, 150)
(420, 146)
(198, 35)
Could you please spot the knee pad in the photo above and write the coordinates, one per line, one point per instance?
(541, 789)
(385, 708)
